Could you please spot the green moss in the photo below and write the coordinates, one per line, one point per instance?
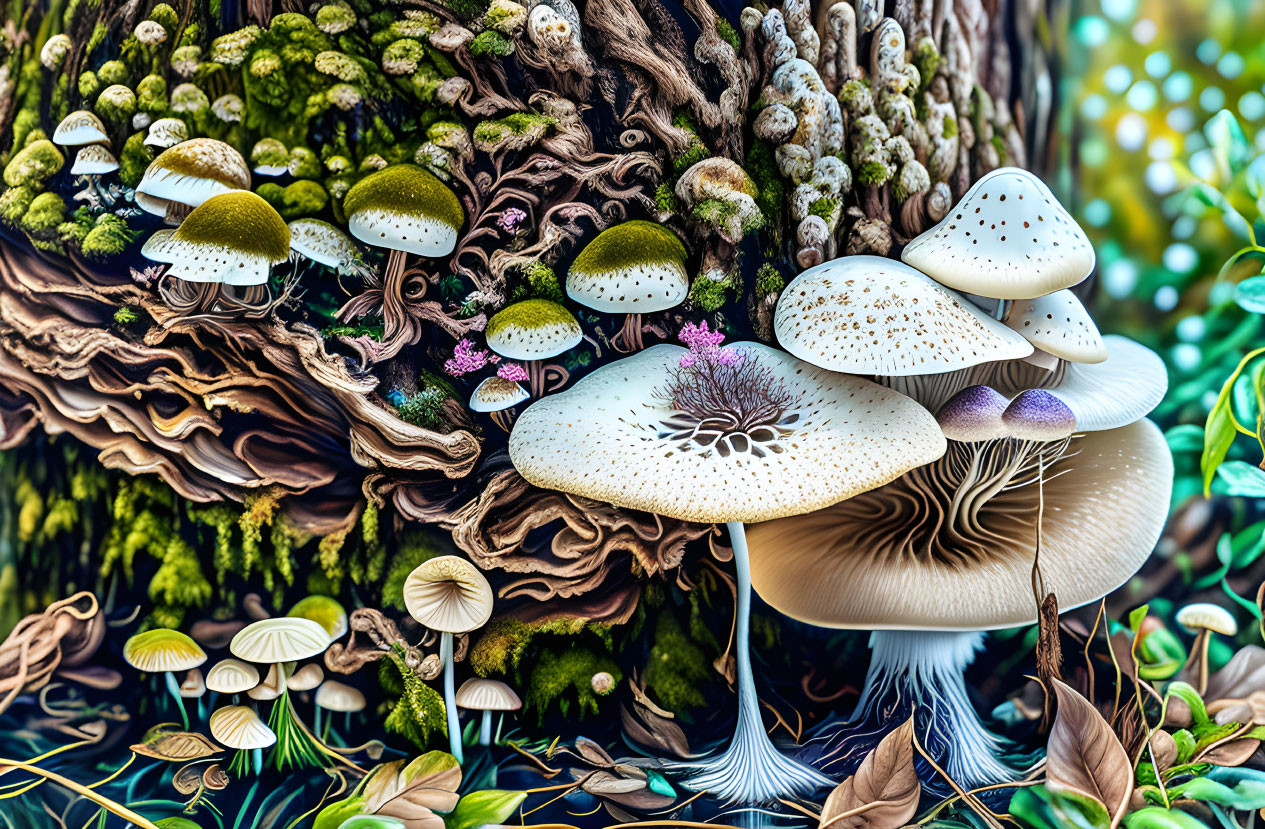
(25, 124)
(302, 198)
(770, 196)
(425, 409)
(134, 159)
(728, 34)
(950, 127)
(33, 164)
(468, 9)
(239, 220)
(408, 189)
(874, 173)
(151, 95)
(489, 43)
(167, 17)
(125, 315)
(676, 667)
(542, 282)
(530, 314)
(999, 144)
(825, 208)
(709, 294)
(116, 104)
(420, 712)
(526, 127)
(108, 237)
(112, 72)
(714, 211)
(88, 85)
(564, 678)
(768, 280)
(412, 548)
(630, 243)
(665, 198)
(46, 212)
(14, 202)
(304, 163)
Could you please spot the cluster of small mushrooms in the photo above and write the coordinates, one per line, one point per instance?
(944, 442)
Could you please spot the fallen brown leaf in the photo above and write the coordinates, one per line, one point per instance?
(1084, 754)
(887, 778)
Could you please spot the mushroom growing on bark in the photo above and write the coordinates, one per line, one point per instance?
(532, 331)
(187, 174)
(726, 435)
(165, 651)
(449, 594)
(633, 268)
(80, 128)
(405, 209)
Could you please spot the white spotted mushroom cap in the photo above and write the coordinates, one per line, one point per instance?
(232, 676)
(322, 242)
(281, 639)
(1058, 324)
(166, 132)
(94, 160)
(614, 436)
(1008, 238)
(1121, 389)
(635, 267)
(866, 564)
(448, 594)
(190, 173)
(233, 238)
(496, 394)
(403, 207)
(487, 695)
(534, 329)
(871, 315)
(237, 726)
(79, 128)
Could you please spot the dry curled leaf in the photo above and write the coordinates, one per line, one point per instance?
(413, 793)
(178, 746)
(887, 777)
(1233, 753)
(1085, 756)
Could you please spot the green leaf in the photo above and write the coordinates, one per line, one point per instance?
(333, 815)
(1162, 655)
(1185, 744)
(1250, 294)
(1157, 817)
(1230, 147)
(1188, 695)
(1241, 478)
(1185, 438)
(487, 806)
(1219, 430)
(1136, 617)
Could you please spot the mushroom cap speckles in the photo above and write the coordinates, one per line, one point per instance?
(166, 132)
(496, 394)
(448, 594)
(870, 315)
(232, 238)
(613, 437)
(232, 676)
(237, 726)
(534, 329)
(283, 639)
(1038, 415)
(161, 650)
(487, 695)
(322, 242)
(94, 160)
(1207, 616)
(80, 128)
(1007, 238)
(973, 414)
(1123, 388)
(631, 268)
(403, 207)
(1104, 512)
(192, 172)
(1058, 323)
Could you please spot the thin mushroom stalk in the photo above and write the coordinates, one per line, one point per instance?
(450, 697)
(485, 729)
(173, 688)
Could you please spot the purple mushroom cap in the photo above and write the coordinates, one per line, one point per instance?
(1036, 414)
(973, 414)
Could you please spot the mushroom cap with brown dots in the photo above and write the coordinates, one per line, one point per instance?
(496, 394)
(636, 267)
(851, 566)
(233, 238)
(403, 207)
(1058, 324)
(871, 315)
(534, 329)
(448, 594)
(614, 437)
(1008, 238)
(190, 173)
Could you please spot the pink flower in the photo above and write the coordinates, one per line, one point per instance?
(510, 219)
(465, 359)
(512, 371)
(704, 345)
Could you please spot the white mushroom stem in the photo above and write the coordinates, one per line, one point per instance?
(450, 697)
(925, 669)
(751, 771)
(485, 729)
(1199, 658)
(173, 688)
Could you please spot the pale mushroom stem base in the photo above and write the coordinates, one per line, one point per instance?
(751, 770)
(173, 688)
(923, 670)
(485, 729)
(450, 697)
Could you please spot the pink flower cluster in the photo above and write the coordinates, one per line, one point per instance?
(704, 345)
(513, 372)
(466, 358)
(511, 218)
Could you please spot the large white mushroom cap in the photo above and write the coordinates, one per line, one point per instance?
(448, 594)
(232, 676)
(282, 639)
(636, 267)
(1124, 387)
(190, 173)
(534, 329)
(1007, 238)
(871, 315)
(614, 436)
(403, 207)
(233, 238)
(870, 563)
(1059, 324)
(162, 650)
(336, 696)
(79, 128)
(237, 726)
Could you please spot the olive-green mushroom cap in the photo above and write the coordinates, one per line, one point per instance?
(403, 207)
(162, 650)
(232, 238)
(190, 173)
(634, 267)
(323, 610)
(534, 329)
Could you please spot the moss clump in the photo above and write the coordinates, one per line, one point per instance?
(425, 409)
(824, 207)
(302, 198)
(125, 315)
(709, 294)
(46, 212)
(491, 43)
(116, 104)
(874, 173)
(519, 129)
(419, 712)
(151, 95)
(239, 220)
(542, 282)
(113, 72)
(629, 244)
(14, 203)
(949, 127)
(88, 84)
(33, 164)
(108, 237)
(676, 667)
(135, 157)
(565, 677)
(407, 189)
(528, 315)
(665, 198)
(304, 163)
(770, 196)
(728, 34)
(768, 280)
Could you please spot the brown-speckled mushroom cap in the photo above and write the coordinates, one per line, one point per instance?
(448, 594)
(1058, 324)
(534, 329)
(614, 437)
(496, 394)
(190, 173)
(1007, 238)
(871, 315)
(865, 563)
